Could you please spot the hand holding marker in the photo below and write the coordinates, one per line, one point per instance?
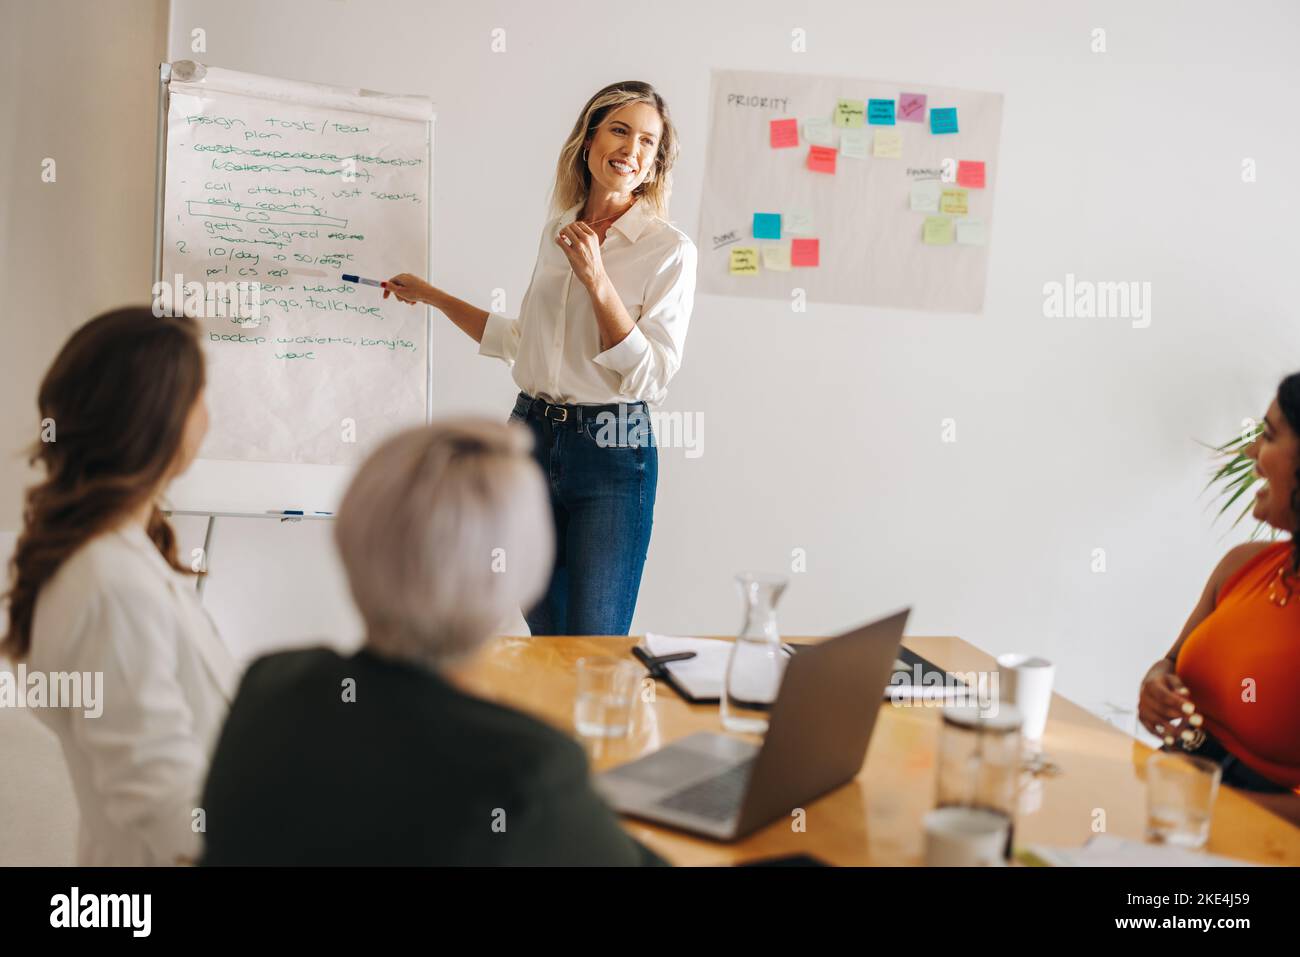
(402, 286)
(410, 289)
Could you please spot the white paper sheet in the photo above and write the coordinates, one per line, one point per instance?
(701, 676)
(1105, 850)
(293, 196)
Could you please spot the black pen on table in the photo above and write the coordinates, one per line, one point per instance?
(656, 664)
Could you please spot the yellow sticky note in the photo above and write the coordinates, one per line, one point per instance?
(850, 112)
(888, 144)
(937, 231)
(776, 256)
(744, 261)
(954, 201)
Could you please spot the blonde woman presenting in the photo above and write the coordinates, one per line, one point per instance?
(600, 333)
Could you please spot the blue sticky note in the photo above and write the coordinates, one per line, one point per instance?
(767, 225)
(943, 119)
(880, 112)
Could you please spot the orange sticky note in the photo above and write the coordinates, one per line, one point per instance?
(821, 159)
(970, 173)
(805, 252)
(784, 133)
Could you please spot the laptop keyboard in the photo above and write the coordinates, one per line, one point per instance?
(716, 798)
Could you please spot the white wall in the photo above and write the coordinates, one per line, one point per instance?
(822, 430)
(78, 84)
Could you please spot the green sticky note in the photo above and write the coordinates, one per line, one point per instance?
(937, 231)
(850, 112)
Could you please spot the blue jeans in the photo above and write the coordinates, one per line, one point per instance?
(602, 484)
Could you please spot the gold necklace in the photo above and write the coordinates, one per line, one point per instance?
(607, 219)
(1279, 591)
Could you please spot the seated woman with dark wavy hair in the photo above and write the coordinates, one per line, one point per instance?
(97, 587)
(1224, 690)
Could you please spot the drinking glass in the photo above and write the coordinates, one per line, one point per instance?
(606, 690)
(1180, 798)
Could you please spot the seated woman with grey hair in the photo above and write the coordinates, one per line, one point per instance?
(379, 758)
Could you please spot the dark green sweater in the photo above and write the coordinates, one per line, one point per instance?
(411, 772)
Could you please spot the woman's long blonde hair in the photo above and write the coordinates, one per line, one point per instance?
(573, 179)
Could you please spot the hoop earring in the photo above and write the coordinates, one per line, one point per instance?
(584, 154)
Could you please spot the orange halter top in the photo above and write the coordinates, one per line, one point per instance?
(1241, 664)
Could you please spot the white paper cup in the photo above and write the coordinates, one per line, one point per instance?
(1026, 682)
(965, 837)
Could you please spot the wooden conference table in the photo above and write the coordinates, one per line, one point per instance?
(876, 818)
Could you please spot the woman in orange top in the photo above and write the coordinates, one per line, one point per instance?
(1223, 690)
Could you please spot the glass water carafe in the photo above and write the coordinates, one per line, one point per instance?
(757, 662)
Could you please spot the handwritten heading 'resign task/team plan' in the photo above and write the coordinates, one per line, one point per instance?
(853, 191)
(293, 197)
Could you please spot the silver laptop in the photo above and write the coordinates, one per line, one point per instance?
(817, 736)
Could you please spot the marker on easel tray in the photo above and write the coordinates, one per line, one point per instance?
(361, 280)
(287, 514)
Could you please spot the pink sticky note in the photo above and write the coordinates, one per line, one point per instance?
(911, 107)
(805, 252)
(821, 159)
(784, 133)
(970, 173)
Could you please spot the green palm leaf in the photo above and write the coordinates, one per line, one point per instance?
(1236, 476)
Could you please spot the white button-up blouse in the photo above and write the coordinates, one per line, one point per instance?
(116, 609)
(554, 345)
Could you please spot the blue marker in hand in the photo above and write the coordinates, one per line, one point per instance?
(361, 281)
